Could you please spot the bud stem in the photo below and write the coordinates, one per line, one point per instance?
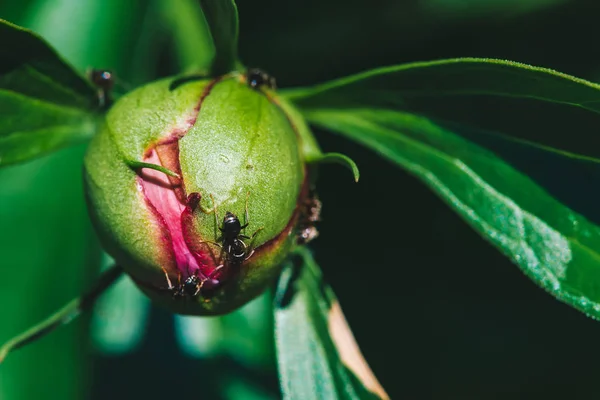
(64, 315)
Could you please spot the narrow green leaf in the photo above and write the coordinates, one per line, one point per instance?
(556, 247)
(317, 355)
(337, 158)
(44, 104)
(529, 104)
(222, 19)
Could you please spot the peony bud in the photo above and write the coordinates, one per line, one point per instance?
(169, 180)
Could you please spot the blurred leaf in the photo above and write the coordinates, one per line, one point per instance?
(242, 388)
(528, 104)
(33, 250)
(462, 9)
(245, 335)
(222, 19)
(62, 316)
(195, 49)
(49, 242)
(317, 355)
(556, 247)
(120, 316)
(31, 67)
(44, 104)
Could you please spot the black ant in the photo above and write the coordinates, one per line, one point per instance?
(236, 251)
(104, 81)
(231, 241)
(257, 78)
(310, 214)
(191, 286)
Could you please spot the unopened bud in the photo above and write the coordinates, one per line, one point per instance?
(197, 188)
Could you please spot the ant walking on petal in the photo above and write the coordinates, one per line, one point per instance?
(234, 251)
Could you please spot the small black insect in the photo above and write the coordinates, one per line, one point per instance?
(257, 78)
(191, 286)
(235, 249)
(310, 215)
(104, 81)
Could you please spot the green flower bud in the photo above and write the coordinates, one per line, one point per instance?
(169, 181)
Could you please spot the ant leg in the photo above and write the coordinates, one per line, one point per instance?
(246, 213)
(251, 246)
(216, 215)
(221, 253)
(197, 197)
(198, 288)
(205, 210)
(220, 267)
(253, 235)
(176, 290)
(210, 250)
(168, 279)
(256, 232)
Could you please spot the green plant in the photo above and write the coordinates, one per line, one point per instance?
(402, 113)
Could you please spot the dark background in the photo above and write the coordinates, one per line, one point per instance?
(437, 311)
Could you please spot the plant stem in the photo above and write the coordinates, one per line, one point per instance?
(64, 315)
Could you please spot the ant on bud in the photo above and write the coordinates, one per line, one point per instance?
(231, 241)
(257, 78)
(104, 81)
(191, 286)
(310, 214)
(234, 251)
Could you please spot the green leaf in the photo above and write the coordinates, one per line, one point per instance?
(44, 104)
(556, 247)
(222, 19)
(317, 355)
(488, 94)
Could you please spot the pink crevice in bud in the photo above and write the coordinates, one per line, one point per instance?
(166, 197)
(173, 215)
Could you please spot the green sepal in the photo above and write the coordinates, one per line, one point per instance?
(139, 165)
(337, 158)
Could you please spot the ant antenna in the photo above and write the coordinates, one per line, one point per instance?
(216, 214)
(168, 279)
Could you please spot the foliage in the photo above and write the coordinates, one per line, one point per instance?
(437, 120)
